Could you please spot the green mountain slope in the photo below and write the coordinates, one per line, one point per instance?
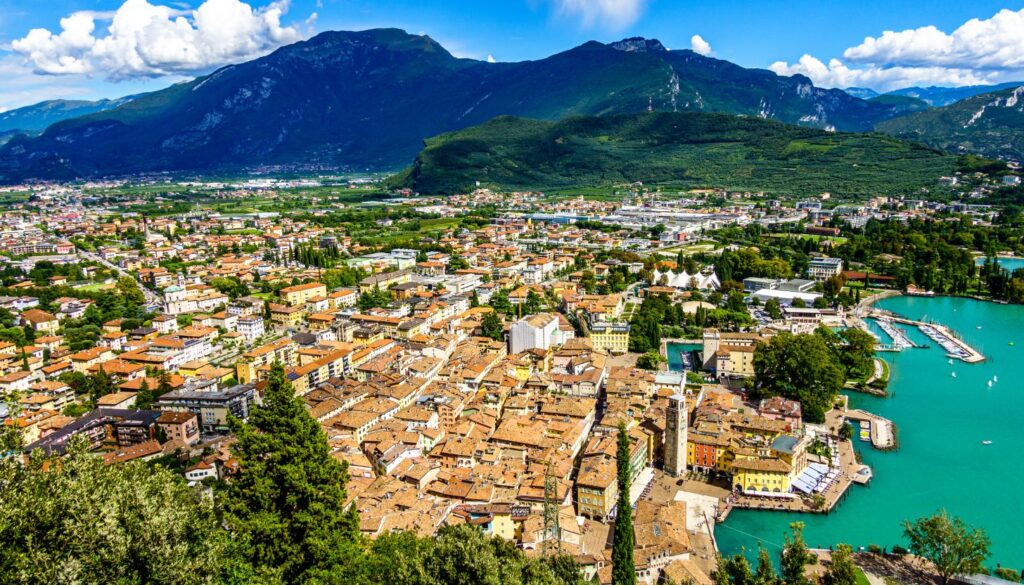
(990, 124)
(902, 104)
(685, 149)
(367, 100)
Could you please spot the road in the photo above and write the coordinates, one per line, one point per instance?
(152, 298)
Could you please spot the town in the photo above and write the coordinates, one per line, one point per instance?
(471, 359)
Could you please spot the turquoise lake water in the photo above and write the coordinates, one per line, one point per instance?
(675, 362)
(941, 462)
(1010, 264)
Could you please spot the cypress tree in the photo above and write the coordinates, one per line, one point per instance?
(286, 506)
(795, 556)
(623, 570)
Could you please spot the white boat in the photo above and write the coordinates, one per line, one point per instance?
(995, 378)
(954, 374)
(950, 361)
(990, 383)
(986, 442)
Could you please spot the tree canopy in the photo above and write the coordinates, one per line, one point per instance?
(949, 543)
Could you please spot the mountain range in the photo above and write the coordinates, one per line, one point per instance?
(989, 124)
(934, 96)
(367, 100)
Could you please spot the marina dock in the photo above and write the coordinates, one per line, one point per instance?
(900, 341)
(955, 347)
(880, 431)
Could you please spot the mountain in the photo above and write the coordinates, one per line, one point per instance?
(901, 103)
(35, 118)
(990, 124)
(367, 100)
(864, 93)
(944, 96)
(679, 149)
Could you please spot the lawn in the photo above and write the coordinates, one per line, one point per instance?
(94, 287)
(862, 579)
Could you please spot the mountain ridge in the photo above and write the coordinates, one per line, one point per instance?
(989, 124)
(357, 101)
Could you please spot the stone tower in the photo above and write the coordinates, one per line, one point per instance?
(675, 436)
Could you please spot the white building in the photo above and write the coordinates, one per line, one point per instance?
(539, 331)
(824, 268)
(251, 327)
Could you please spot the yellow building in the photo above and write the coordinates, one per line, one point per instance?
(292, 316)
(300, 294)
(384, 280)
(596, 487)
(610, 337)
(761, 474)
(283, 350)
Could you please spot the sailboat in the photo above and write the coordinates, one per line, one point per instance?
(951, 361)
(954, 374)
(990, 383)
(995, 378)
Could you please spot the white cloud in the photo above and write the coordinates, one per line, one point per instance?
(699, 45)
(981, 51)
(838, 74)
(146, 40)
(995, 43)
(607, 14)
(21, 88)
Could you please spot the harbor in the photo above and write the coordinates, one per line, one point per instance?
(933, 468)
(954, 346)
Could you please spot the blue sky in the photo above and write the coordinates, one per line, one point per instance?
(159, 42)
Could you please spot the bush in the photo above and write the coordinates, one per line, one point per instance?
(874, 549)
(1008, 574)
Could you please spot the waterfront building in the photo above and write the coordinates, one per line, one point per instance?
(821, 269)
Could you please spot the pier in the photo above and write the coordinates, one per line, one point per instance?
(955, 347)
(900, 341)
(882, 433)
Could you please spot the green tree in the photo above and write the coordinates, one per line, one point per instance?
(534, 303)
(800, 367)
(952, 546)
(144, 399)
(623, 570)
(649, 361)
(86, 522)
(765, 574)
(286, 507)
(734, 570)
(842, 571)
(795, 556)
(491, 326)
(129, 291)
(461, 555)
